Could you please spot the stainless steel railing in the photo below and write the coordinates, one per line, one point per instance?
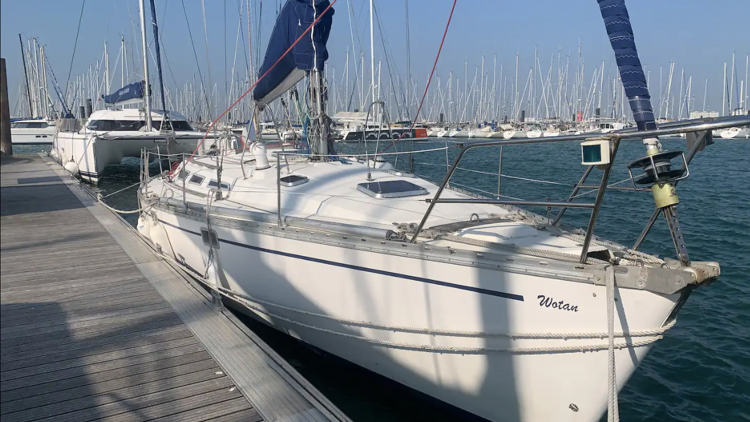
(615, 137)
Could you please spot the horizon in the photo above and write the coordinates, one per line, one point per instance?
(462, 54)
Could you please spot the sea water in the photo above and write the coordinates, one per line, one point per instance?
(700, 371)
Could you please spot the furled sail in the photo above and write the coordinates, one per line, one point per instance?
(308, 54)
(617, 23)
(127, 93)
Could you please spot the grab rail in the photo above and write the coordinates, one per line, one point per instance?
(615, 137)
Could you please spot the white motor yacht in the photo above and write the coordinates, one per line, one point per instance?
(32, 131)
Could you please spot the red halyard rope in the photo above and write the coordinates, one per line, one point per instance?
(259, 79)
(434, 65)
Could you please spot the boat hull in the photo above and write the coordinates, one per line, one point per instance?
(351, 303)
(92, 154)
(32, 136)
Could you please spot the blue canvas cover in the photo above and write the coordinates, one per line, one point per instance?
(126, 93)
(310, 52)
(617, 23)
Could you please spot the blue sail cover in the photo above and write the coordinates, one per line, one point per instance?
(126, 93)
(309, 53)
(617, 23)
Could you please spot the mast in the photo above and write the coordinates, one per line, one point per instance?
(346, 82)
(408, 60)
(122, 61)
(47, 101)
(208, 60)
(372, 55)
(158, 63)
(35, 74)
(25, 74)
(724, 92)
(705, 92)
(731, 87)
(147, 87)
(515, 99)
(106, 67)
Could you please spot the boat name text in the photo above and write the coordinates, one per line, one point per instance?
(548, 302)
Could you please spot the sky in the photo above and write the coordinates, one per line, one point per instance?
(698, 36)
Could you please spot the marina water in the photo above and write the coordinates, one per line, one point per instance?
(700, 371)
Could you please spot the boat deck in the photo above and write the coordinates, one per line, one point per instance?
(95, 326)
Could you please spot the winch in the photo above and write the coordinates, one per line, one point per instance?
(659, 172)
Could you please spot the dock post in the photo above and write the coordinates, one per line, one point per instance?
(6, 148)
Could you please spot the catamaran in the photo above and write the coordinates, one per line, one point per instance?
(472, 300)
(112, 134)
(107, 136)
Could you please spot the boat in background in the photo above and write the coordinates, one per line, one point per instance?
(108, 136)
(735, 133)
(32, 131)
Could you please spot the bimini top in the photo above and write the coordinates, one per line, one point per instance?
(308, 54)
(128, 93)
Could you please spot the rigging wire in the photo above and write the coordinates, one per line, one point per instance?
(429, 80)
(75, 46)
(195, 54)
(260, 78)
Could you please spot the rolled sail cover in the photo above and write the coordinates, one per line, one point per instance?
(617, 23)
(130, 92)
(308, 54)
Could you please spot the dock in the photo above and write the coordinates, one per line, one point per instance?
(97, 327)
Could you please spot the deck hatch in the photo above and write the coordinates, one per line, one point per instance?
(293, 180)
(391, 189)
(196, 179)
(213, 183)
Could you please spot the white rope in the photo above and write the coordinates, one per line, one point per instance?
(613, 413)
(121, 211)
(455, 333)
(451, 349)
(121, 190)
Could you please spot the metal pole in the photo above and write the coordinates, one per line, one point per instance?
(6, 147)
(572, 195)
(697, 146)
(438, 193)
(147, 88)
(26, 75)
(500, 172)
(514, 203)
(278, 187)
(647, 228)
(598, 203)
(372, 52)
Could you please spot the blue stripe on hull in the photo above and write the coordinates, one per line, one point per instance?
(364, 269)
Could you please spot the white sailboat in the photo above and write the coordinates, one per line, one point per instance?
(735, 133)
(498, 311)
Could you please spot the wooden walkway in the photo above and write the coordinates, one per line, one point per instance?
(87, 335)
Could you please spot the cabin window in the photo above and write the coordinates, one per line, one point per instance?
(196, 179)
(177, 125)
(183, 174)
(213, 183)
(391, 189)
(30, 125)
(115, 125)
